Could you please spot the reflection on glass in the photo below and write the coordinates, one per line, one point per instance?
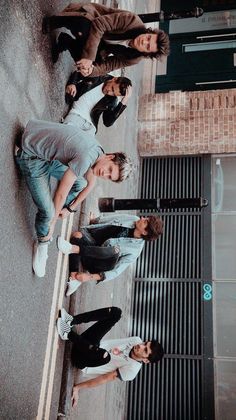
(225, 316)
(226, 386)
(224, 183)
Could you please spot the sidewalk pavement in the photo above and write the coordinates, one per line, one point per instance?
(108, 402)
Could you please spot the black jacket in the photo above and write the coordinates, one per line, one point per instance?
(108, 106)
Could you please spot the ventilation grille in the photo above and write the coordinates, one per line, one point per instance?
(167, 298)
(171, 178)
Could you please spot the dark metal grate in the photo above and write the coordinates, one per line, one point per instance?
(167, 298)
(171, 178)
(177, 253)
(171, 312)
(171, 391)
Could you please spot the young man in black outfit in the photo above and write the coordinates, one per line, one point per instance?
(105, 361)
(92, 97)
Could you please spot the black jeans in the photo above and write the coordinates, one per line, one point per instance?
(79, 27)
(94, 258)
(86, 351)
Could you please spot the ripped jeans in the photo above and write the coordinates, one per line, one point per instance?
(94, 258)
(86, 351)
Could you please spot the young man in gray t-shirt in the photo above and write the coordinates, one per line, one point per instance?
(75, 159)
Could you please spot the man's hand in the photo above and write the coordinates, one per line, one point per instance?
(71, 90)
(75, 396)
(83, 277)
(84, 66)
(128, 93)
(64, 213)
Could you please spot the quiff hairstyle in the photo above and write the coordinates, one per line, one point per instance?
(163, 44)
(157, 352)
(125, 165)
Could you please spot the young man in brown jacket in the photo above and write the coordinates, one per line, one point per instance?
(105, 38)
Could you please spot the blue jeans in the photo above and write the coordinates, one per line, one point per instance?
(37, 173)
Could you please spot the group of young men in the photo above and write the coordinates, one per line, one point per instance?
(104, 39)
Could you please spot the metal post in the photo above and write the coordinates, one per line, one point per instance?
(106, 204)
(162, 16)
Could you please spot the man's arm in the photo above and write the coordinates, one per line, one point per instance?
(81, 196)
(100, 380)
(111, 63)
(111, 114)
(84, 193)
(60, 196)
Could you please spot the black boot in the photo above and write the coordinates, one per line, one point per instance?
(60, 45)
(46, 25)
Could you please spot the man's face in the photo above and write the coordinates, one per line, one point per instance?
(146, 43)
(105, 168)
(142, 351)
(111, 88)
(141, 225)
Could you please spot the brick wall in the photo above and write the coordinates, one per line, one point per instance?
(183, 123)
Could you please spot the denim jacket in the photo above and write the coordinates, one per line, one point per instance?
(130, 248)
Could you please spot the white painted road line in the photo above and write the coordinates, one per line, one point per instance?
(56, 337)
(59, 284)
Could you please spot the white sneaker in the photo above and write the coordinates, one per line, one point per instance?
(63, 329)
(66, 317)
(40, 257)
(72, 286)
(64, 246)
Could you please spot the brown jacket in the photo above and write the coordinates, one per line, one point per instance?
(106, 23)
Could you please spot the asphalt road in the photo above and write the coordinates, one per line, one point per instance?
(31, 87)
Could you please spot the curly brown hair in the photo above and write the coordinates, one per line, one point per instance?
(154, 228)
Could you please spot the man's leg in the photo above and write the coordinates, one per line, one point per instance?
(85, 240)
(84, 354)
(86, 351)
(78, 25)
(106, 318)
(97, 259)
(36, 174)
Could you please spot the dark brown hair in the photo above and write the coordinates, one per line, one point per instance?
(157, 352)
(154, 228)
(123, 83)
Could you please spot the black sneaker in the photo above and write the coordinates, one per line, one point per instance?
(46, 25)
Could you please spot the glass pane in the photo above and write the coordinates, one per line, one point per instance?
(225, 318)
(207, 46)
(211, 21)
(224, 246)
(225, 390)
(224, 184)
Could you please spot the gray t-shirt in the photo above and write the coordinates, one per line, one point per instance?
(68, 144)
